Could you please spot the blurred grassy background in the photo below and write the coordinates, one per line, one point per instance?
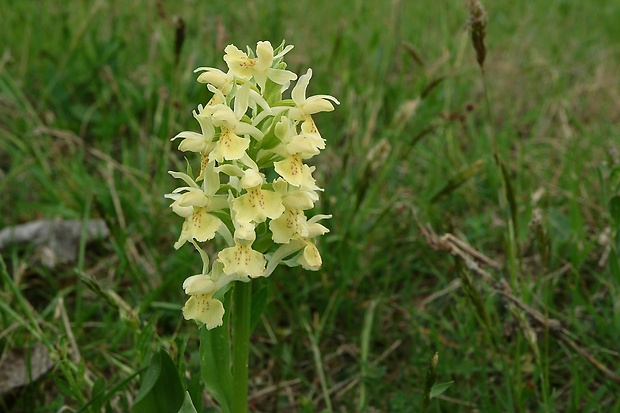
(91, 92)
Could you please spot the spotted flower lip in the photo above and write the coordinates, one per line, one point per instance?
(204, 309)
(252, 188)
(258, 204)
(242, 260)
(295, 172)
(290, 225)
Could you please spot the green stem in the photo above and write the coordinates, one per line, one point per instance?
(242, 300)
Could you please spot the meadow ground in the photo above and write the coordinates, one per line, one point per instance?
(521, 166)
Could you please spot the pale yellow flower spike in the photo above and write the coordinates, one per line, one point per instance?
(232, 197)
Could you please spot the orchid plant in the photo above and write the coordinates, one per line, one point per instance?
(255, 191)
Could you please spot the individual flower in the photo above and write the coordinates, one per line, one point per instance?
(310, 258)
(304, 107)
(245, 67)
(196, 206)
(197, 142)
(230, 145)
(292, 224)
(201, 305)
(291, 168)
(307, 144)
(257, 204)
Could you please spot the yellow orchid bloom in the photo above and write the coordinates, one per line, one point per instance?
(245, 67)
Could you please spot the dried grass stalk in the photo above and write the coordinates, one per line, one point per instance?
(478, 28)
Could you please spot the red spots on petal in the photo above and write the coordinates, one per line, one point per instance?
(204, 160)
(225, 138)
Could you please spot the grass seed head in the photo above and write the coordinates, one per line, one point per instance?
(477, 26)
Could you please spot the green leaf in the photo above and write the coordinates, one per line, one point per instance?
(188, 406)
(194, 388)
(614, 210)
(100, 398)
(259, 301)
(161, 390)
(97, 394)
(614, 264)
(458, 179)
(215, 360)
(437, 389)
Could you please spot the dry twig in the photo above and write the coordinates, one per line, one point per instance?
(472, 260)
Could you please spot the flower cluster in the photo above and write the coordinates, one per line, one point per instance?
(254, 188)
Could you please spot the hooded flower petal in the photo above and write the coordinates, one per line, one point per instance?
(222, 81)
(199, 284)
(306, 145)
(310, 258)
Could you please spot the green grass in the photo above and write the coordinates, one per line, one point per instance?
(91, 93)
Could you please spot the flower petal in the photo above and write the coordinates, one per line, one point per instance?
(290, 225)
(247, 129)
(307, 145)
(204, 309)
(310, 259)
(224, 116)
(257, 205)
(316, 104)
(299, 91)
(238, 62)
(199, 284)
(193, 197)
(294, 171)
(185, 236)
(242, 260)
(264, 51)
(204, 225)
(229, 147)
(280, 76)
